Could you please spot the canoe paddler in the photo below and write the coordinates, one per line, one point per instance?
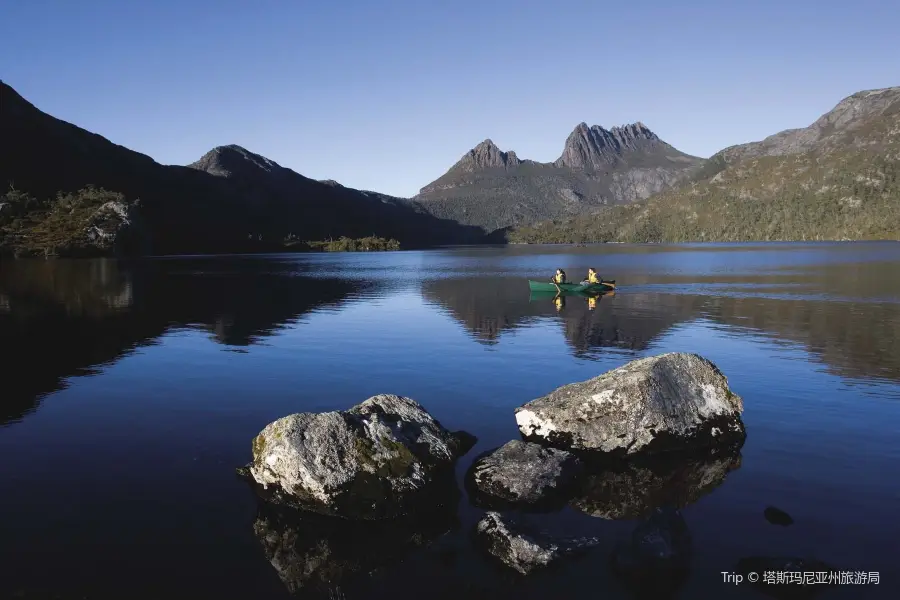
(592, 277)
(558, 278)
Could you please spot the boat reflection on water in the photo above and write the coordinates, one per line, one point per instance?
(559, 299)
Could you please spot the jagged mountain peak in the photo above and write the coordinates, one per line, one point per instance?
(486, 155)
(593, 147)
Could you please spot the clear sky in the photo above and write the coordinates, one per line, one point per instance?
(388, 94)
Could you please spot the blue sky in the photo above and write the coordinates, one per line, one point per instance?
(388, 94)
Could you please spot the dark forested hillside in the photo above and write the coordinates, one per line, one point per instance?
(230, 200)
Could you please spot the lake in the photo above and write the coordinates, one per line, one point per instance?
(131, 391)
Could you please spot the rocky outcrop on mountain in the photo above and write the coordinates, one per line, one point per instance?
(88, 223)
(851, 113)
(487, 155)
(493, 189)
(231, 200)
(598, 148)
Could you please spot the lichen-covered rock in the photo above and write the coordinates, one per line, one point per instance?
(379, 459)
(521, 473)
(522, 547)
(670, 402)
(656, 560)
(636, 491)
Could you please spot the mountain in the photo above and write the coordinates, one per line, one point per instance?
(851, 114)
(838, 178)
(230, 200)
(493, 189)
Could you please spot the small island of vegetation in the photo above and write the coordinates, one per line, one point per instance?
(370, 243)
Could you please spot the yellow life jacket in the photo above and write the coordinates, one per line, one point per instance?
(592, 278)
(559, 278)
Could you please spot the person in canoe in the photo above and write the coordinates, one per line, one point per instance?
(592, 277)
(560, 277)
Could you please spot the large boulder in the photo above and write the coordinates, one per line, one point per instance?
(663, 403)
(522, 474)
(521, 546)
(380, 459)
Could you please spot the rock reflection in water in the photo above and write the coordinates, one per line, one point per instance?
(634, 491)
(314, 555)
(656, 561)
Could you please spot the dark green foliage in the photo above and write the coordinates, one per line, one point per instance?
(88, 222)
(346, 244)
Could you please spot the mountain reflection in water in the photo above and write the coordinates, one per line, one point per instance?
(132, 390)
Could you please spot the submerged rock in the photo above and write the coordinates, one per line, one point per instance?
(380, 459)
(636, 491)
(670, 402)
(521, 546)
(776, 516)
(522, 473)
(657, 558)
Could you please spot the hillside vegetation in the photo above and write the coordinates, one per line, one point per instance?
(845, 188)
(89, 222)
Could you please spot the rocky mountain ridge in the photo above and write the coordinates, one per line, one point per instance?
(493, 189)
(850, 114)
(597, 148)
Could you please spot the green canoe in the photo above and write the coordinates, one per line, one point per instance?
(541, 286)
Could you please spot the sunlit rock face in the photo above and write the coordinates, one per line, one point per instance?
(654, 405)
(378, 460)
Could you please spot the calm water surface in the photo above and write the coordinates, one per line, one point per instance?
(132, 391)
